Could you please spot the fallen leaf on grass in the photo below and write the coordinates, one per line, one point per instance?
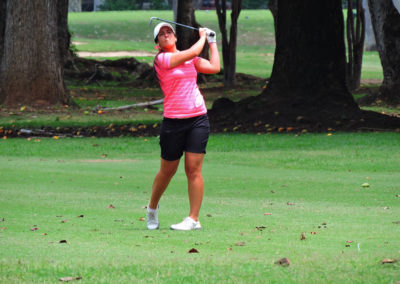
(302, 236)
(142, 219)
(34, 229)
(67, 279)
(290, 203)
(396, 222)
(349, 241)
(63, 242)
(80, 216)
(193, 250)
(111, 206)
(283, 261)
(388, 260)
(267, 214)
(3, 228)
(64, 221)
(240, 244)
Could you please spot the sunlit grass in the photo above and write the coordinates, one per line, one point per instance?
(261, 193)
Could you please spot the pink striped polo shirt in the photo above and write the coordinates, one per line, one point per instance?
(182, 97)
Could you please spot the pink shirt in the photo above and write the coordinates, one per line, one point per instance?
(182, 97)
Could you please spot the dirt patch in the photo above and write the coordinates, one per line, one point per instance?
(78, 42)
(115, 54)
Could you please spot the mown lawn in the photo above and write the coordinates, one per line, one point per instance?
(130, 30)
(261, 193)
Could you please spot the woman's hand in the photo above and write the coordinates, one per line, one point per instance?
(202, 32)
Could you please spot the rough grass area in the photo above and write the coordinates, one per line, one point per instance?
(75, 208)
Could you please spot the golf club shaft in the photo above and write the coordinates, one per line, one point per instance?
(175, 23)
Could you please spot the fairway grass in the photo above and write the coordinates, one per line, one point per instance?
(261, 193)
(130, 31)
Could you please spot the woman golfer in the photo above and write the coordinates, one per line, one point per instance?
(185, 127)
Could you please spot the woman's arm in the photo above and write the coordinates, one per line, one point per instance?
(210, 67)
(180, 57)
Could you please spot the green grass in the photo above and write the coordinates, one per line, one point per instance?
(118, 31)
(46, 181)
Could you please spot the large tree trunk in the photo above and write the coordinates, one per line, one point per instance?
(64, 37)
(386, 23)
(307, 88)
(273, 7)
(2, 30)
(187, 37)
(31, 70)
(370, 44)
(355, 36)
(229, 46)
(309, 66)
(308, 81)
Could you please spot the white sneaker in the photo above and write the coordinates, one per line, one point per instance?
(152, 219)
(186, 225)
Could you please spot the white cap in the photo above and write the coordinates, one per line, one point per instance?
(158, 28)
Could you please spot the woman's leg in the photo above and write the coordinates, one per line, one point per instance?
(161, 181)
(193, 167)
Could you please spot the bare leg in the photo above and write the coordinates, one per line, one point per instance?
(161, 181)
(193, 167)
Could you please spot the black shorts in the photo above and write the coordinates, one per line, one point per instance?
(184, 135)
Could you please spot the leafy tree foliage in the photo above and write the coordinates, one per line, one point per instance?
(254, 4)
(119, 5)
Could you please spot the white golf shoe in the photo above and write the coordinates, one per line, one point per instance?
(152, 219)
(186, 225)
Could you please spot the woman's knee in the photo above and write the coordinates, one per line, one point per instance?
(168, 169)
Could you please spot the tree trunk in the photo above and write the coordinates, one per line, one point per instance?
(2, 30)
(175, 8)
(308, 81)
(309, 66)
(64, 37)
(75, 6)
(228, 46)
(31, 70)
(307, 89)
(386, 23)
(370, 44)
(187, 37)
(355, 44)
(273, 7)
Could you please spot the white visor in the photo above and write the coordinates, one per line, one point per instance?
(158, 28)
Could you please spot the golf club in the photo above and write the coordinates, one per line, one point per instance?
(175, 23)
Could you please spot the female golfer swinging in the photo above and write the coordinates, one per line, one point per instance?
(185, 126)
